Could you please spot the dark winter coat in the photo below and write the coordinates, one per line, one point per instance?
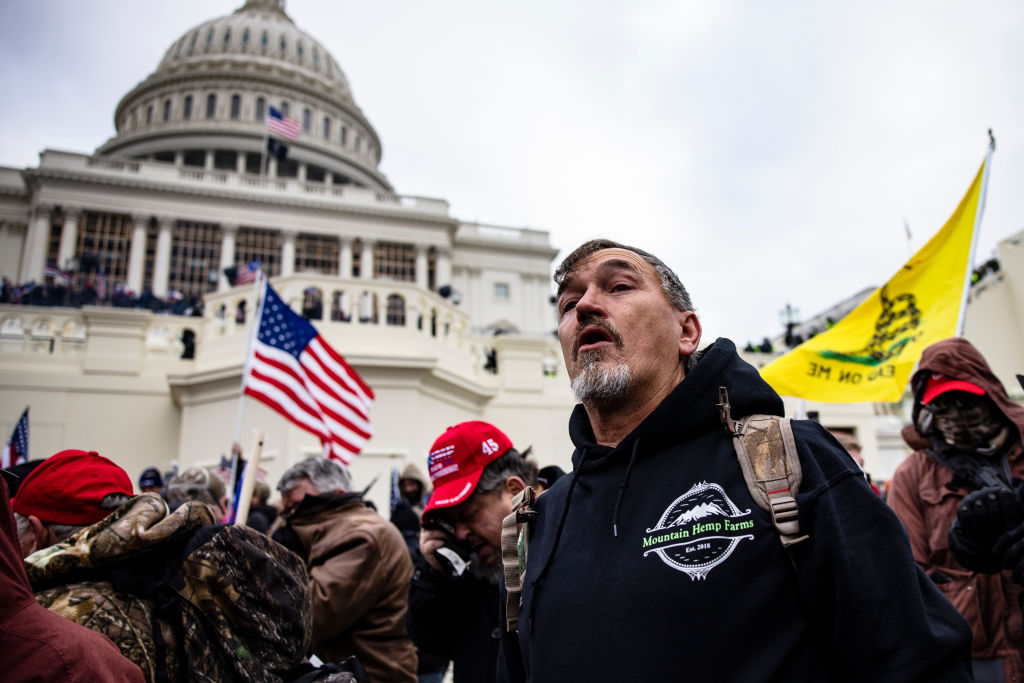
(652, 562)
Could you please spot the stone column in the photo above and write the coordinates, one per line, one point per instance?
(288, 252)
(474, 282)
(69, 236)
(33, 255)
(366, 260)
(208, 160)
(137, 253)
(302, 173)
(162, 265)
(345, 258)
(421, 266)
(228, 233)
(272, 167)
(444, 267)
(179, 158)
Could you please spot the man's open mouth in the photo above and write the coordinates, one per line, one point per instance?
(592, 334)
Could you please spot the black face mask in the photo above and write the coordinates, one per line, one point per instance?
(967, 422)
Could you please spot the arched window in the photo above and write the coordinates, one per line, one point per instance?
(316, 57)
(264, 40)
(284, 44)
(298, 48)
(167, 110)
(227, 36)
(312, 304)
(261, 105)
(245, 38)
(307, 120)
(236, 106)
(149, 114)
(284, 109)
(327, 128)
(209, 39)
(188, 107)
(211, 105)
(343, 136)
(396, 310)
(192, 43)
(339, 307)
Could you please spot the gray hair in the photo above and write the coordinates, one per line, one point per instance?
(670, 282)
(326, 476)
(512, 463)
(62, 532)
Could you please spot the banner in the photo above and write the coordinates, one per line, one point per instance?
(869, 354)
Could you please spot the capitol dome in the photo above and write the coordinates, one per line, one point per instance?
(207, 101)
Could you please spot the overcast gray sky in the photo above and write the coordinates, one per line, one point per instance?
(769, 151)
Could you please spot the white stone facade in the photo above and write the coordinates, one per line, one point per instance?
(410, 295)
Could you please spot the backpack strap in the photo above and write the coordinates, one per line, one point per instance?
(514, 545)
(766, 450)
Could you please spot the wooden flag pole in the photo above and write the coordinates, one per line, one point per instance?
(249, 479)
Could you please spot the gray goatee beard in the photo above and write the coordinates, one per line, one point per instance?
(598, 384)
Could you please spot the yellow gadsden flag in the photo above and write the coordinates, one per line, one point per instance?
(869, 354)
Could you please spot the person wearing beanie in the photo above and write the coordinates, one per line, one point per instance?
(548, 476)
(150, 481)
(453, 602)
(65, 493)
(198, 483)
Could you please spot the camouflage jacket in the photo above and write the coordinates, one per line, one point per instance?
(179, 595)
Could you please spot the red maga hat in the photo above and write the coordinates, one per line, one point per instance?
(67, 488)
(940, 384)
(458, 458)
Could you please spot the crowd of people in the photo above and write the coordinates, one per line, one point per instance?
(93, 291)
(653, 559)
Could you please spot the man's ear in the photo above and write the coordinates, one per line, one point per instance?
(689, 338)
(513, 485)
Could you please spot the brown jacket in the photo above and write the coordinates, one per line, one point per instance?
(360, 572)
(922, 499)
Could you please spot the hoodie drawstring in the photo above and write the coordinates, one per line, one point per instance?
(622, 489)
(536, 583)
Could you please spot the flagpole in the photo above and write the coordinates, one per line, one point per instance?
(263, 155)
(974, 236)
(261, 281)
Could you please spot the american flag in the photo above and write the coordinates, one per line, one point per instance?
(293, 370)
(247, 275)
(101, 286)
(56, 273)
(279, 124)
(16, 450)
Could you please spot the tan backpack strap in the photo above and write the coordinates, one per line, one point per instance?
(768, 457)
(514, 547)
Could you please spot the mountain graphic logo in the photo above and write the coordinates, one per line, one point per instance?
(699, 531)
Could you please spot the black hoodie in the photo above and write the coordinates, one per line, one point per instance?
(652, 562)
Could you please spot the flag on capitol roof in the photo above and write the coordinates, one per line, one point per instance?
(279, 124)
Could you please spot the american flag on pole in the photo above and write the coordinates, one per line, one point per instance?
(247, 275)
(279, 124)
(16, 450)
(293, 370)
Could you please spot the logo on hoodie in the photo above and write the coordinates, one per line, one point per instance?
(699, 531)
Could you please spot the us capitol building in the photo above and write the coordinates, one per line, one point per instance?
(446, 320)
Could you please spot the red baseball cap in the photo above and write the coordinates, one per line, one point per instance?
(67, 488)
(940, 384)
(458, 458)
